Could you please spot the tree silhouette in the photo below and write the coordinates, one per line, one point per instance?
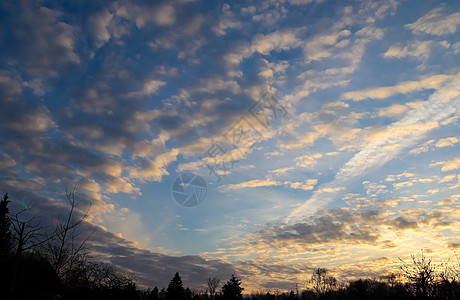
(322, 282)
(5, 247)
(421, 273)
(232, 289)
(213, 284)
(153, 294)
(64, 248)
(5, 233)
(175, 290)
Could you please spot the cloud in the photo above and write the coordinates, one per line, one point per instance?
(448, 165)
(105, 25)
(447, 142)
(10, 86)
(35, 120)
(407, 131)
(142, 15)
(433, 82)
(307, 185)
(282, 170)
(305, 139)
(392, 111)
(448, 178)
(416, 49)
(253, 183)
(116, 185)
(435, 22)
(210, 86)
(226, 21)
(154, 169)
(49, 48)
(307, 161)
(399, 176)
(321, 46)
(423, 148)
(151, 86)
(264, 44)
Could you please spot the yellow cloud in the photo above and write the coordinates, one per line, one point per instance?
(331, 190)
(447, 142)
(306, 139)
(253, 183)
(308, 185)
(435, 23)
(433, 82)
(403, 184)
(423, 148)
(154, 170)
(392, 111)
(398, 131)
(417, 49)
(282, 170)
(307, 160)
(448, 178)
(449, 165)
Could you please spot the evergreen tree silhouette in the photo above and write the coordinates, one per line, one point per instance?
(232, 289)
(5, 233)
(6, 264)
(175, 290)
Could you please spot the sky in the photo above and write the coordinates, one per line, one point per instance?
(262, 138)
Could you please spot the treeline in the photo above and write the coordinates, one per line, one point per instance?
(51, 262)
(419, 279)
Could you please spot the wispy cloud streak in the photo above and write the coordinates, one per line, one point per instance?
(386, 145)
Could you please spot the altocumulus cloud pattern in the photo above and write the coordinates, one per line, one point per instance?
(320, 133)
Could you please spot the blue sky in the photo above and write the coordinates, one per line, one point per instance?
(327, 132)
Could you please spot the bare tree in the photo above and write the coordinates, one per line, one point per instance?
(65, 249)
(28, 233)
(322, 282)
(213, 284)
(98, 275)
(421, 272)
(449, 277)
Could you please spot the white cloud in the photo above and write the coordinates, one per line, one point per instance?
(448, 165)
(141, 15)
(10, 86)
(394, 110)
(447, 142)
(322, 45)
(307, 161)
(226, 21)
(253, 183)
(448, 178)
(436, 23)
(36, 120)
(433, 82)
(282, 170)
(405, 132)
(156, 169)
(151, 86)
(307, 185)
(423, 148)
(418, 49)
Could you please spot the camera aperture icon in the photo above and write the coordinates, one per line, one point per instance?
(189, 190)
